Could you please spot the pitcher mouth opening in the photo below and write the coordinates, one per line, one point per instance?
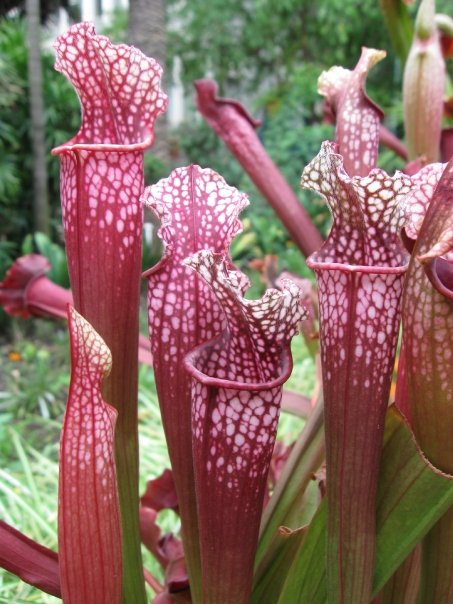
(190, 364)
(318, 265)
(440, 272)
(113, 147)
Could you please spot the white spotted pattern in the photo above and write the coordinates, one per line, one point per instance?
(118, 87)
(365, 210)
(360, 272)
(197, 210)
(357, 118)
(236, 393)
(101, 182)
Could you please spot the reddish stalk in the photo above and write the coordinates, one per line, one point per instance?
(360, 272)
(89, 530)
(237, 382)
(101, 183)
(231, 122)
(32, 562)
(197, 210)
(428, 338)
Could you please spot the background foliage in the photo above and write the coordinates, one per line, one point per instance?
(268, 55)
(61, 122)
(261, 43)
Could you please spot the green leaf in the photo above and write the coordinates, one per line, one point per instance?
(306, 581)
(412, 496)
(27, 245)
(285, 507)
(399, 26)
(404, 585)
(57, 258)
(292, 505)
(269, 582)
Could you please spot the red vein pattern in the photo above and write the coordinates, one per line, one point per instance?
(416, 204)
(412, 214)
(101, 184)
(360, 272)
(428, 341)
(236, 392)
(231, 122)
(197, 210)
(89, 533)
(357, 117)
(428, 327)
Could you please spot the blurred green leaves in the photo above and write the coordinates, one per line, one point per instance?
(62, 117)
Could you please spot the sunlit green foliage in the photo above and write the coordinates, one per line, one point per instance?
(61, 122)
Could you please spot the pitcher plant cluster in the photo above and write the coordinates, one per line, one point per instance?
(259, 522)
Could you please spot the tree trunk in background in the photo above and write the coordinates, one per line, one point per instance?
(147, 32)
(40, 197)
